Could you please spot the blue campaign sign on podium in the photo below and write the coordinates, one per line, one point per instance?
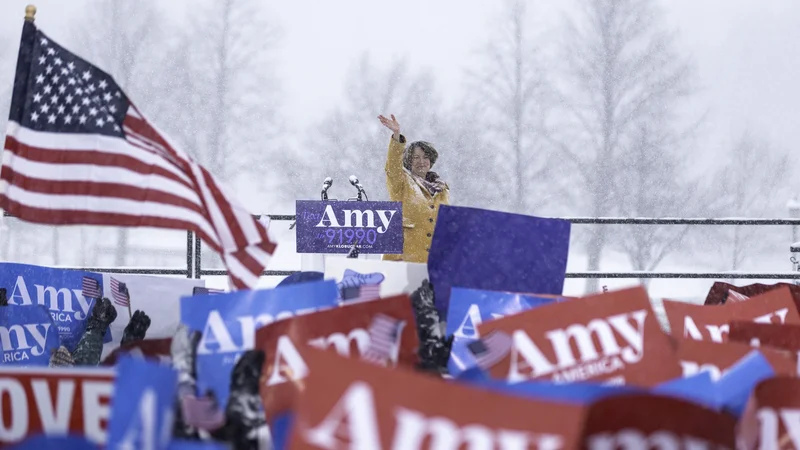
(496, 251)
(336, 226)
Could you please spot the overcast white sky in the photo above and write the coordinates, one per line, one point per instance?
(746, 50)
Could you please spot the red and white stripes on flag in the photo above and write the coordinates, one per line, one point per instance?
(90, 288)
(384, 337)
(366, 292)
(119, 293)
(490, 349)
(138, 181)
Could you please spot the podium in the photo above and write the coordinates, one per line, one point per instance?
(332, 228)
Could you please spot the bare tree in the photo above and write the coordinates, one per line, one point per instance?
(654, 184)
(756, 182)
(621, 69)
(351, 141)
(233, 97)
(511, 96)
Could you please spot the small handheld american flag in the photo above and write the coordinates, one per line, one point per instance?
(91, 288)
(490, 349)
(384, 336)
(197, 290)
(119, 291)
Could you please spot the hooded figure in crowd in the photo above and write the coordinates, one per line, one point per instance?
(410, 180)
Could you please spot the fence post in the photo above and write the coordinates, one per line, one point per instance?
(189, 239)
(198, 257)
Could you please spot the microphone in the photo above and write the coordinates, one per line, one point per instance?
(325, 186)
(354, 182)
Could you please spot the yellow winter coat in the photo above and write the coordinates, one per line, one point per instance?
(419, 207)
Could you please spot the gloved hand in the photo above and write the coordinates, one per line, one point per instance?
(136, 328)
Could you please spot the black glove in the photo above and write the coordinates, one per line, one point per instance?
(244, 413)
(434, 349)
(136, 328)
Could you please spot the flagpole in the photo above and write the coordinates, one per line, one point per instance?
(30, 13)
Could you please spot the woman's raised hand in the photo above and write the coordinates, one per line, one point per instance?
(391, 124)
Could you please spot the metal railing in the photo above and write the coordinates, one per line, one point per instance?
(194, 257)
(188, 271)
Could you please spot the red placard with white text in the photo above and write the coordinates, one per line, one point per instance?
(55, 402)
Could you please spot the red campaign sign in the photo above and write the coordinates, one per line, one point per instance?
(645, 421)
(157, 350)
(55, 401)
(716, 358)
(786, 337)
(771, 419)
(612, 337)
(711, 322)
(721, 292)
(344, 330)
(347, 403)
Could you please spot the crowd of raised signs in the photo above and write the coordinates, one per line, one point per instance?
(476, 349)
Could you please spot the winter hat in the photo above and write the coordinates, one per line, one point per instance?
(426, 147)
(301, 277)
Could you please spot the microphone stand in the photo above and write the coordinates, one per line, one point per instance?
(354, 253)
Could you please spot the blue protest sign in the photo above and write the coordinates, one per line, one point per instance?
(178, 444)
(45, 442)
(142, 407)
(59, 290)
(736, 384)
(228, 324)
(496, 251)
(471, 307)
(334, 227)
(699, 388)
(281, 429)
(27, 335)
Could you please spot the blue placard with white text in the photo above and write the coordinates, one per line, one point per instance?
(27, 335)
(142, 408)
(336, 226)
(58, 290)
(228, 324)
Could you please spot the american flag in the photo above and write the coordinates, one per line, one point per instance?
(358, 287)
(91, 288)
(77, 151)
(119, 291)
(201, 291)
(363, 293)
(384, 335)
(490, 349)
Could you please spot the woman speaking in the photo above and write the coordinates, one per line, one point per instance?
(410, 180)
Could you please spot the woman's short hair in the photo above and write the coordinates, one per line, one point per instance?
(426, 147)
